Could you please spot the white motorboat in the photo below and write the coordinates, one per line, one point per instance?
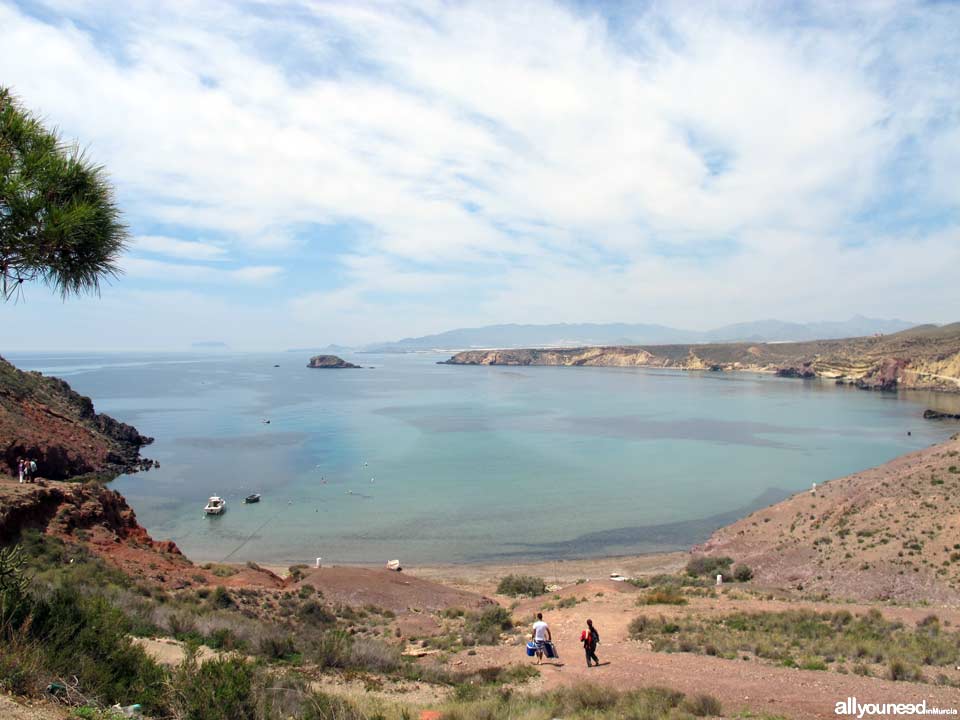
(215, 505)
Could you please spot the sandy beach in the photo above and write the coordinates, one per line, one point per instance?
(483, 578)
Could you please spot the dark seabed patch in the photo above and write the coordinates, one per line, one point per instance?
(457, 418)
(735, 432)
(666, 536)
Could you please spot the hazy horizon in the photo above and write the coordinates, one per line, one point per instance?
(298, 174)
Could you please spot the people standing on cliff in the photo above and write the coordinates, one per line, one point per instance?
(590, 639)
(20, 467)
(541, 636)
(32, 468)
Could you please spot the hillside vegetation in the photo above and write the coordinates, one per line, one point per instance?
(887, 533)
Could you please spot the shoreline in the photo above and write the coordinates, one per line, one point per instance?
(484, 576)
(560, 571)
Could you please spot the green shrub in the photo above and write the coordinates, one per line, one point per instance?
(86, 637)
(218, 689)
(221, 599)
(276, 645)
(742, 573)
(702, 706)
(320, 706)
(313, 613)
(807, 638)
(521, 585)
(485, 628)
(333, 650)
(899, 670)
(223, 639)
(662, 596)
(374, 656)
(638, 626)
(701, 565)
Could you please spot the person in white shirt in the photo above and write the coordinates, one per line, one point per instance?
(541, 636)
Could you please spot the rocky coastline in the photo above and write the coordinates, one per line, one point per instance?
(43, 419)
(927, 358)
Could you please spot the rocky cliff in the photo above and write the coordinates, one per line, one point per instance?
(96, 519)
(43, 419)
(926, 357)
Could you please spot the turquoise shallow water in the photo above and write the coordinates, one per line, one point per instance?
(473, 463)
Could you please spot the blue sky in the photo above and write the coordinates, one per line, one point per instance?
(301, 173)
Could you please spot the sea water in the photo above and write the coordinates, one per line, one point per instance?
(437, 463)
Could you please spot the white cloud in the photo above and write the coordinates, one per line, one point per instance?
(186, 273)
(691, 164)
(183, 249)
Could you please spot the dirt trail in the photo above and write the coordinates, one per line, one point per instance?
(739, 685)
(13, 710)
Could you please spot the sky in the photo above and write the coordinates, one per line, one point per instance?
(303, 172)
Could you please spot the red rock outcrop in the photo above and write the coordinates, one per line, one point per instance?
(44, 420)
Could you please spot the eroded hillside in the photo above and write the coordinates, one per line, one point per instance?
(43, 419)
(888, 533)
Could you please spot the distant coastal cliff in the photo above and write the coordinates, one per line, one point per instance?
(925, 357)
(44, 420)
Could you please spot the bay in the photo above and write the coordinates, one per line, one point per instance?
(436, 463)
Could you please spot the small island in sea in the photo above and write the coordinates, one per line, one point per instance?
(329, 362)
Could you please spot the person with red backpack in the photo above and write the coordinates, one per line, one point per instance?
(590, 639)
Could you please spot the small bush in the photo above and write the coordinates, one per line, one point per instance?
(662, 596)
(521, 585)
(219, 689)
(373, 656)
(702, 706)
(638, 626)
(701, 565)
(485, 628)
(297, 572)
(221, 599)
(313, 613)
(333, 650)
(276, 645)
(320, 706)
(899, 670)
(742, 573)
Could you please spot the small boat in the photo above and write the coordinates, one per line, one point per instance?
(252, 498)
(215, 505)
(265, 421)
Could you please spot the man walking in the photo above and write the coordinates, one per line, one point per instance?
(541, 636)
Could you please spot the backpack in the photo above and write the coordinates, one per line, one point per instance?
(33, 466)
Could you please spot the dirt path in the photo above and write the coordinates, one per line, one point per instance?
(739, 685)
(12, 710)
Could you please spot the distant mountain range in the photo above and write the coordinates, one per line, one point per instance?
(581, 334)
